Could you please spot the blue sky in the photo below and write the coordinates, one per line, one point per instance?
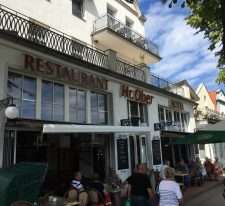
(184, 54)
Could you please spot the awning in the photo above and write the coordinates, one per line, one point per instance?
(211, 133)
(70, 128)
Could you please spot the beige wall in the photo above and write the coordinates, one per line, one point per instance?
(204, 98)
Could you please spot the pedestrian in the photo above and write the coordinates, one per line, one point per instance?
(76, 182)
(139, 188)
(162, 169)
(169, 191)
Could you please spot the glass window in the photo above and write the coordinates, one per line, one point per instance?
(176, 116)
(77, 105)
(52, 101)
(168, 115)
(161, 114)
(137, 113)
(129, 23)
(111, 11)
(143, 113)
(99, 110)
(77, 8)
(184, 119)
(23, 90)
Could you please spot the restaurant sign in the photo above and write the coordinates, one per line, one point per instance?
(136, 95)
(59, 72)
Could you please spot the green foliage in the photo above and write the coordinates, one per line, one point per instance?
(206, 17)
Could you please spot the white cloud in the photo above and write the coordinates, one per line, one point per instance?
(185, 55)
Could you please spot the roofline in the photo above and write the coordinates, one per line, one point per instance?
(192, 90)
(51, 52)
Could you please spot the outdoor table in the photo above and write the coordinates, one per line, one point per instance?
(179, 177)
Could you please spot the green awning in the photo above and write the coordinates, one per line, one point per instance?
(203, 137)
(211, 133)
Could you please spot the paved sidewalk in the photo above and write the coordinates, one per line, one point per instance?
(195, 191)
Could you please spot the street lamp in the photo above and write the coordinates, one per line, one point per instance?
(11, 111)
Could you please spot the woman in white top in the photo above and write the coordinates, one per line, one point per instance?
(169, 191)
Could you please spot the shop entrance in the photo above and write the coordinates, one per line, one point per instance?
(65, 154)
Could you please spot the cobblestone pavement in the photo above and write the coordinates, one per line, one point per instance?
(211, 197)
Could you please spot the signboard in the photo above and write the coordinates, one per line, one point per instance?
(56, 71)
(136, 95)
(156, 151)
(125, 122)
(122, 154)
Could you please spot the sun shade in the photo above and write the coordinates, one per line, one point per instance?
(211, 133)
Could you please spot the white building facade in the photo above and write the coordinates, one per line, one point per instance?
(85, 97)
(210, 110)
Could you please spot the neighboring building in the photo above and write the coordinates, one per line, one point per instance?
(178, 122)
(86, 99)
(211, 109)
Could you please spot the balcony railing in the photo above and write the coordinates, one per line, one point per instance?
(173, 126)
(165, 84)
(107, 21)
(211, 114)
(20, 26)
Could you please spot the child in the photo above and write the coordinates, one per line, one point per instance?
(76, 182)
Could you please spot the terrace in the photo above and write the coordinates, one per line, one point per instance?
(19, 27)
(111, 33)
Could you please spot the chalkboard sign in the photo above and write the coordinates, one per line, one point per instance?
(156, 150)
(122, 154)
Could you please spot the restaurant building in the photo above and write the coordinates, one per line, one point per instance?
(87, 100)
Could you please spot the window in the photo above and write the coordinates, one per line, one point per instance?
(99, 109)
(77, 105)
(129, 23)
(168, 115)
(52, 101)
(161, 114)
(111, 11)
(176, 116)
(77, 8)
(137, 113)
(184, 120)
(23, 90)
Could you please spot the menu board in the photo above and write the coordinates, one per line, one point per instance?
(156, 150)
(122, 154)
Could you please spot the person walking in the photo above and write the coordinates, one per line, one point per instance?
(139, 188)
(169, 191)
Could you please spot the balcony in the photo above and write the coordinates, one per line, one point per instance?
(212, 116)
(20, 27)
(113, 34)
(171, 126)
(165, 84)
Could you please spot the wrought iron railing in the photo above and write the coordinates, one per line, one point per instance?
(175, 126)
(165, 84)
(107, 21)
(21, 26)
(213, 114)
(130, 70)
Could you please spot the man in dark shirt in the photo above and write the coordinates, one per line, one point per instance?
(139, 190)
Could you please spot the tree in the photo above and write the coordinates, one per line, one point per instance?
(208, 16)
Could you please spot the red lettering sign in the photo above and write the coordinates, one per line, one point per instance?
(136, 95)
(56, 71)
